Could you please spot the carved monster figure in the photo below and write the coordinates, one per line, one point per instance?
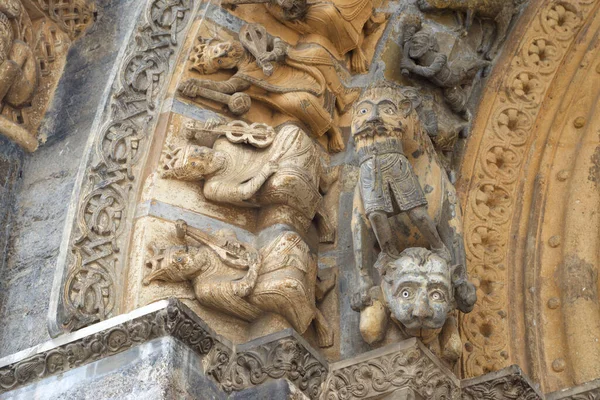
(18, 73)
(499, 11)
(282, 177)
(339, 26)
(423, 58)
(397, 160)
(301, 83)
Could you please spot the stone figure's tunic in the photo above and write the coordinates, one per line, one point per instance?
(387, 180)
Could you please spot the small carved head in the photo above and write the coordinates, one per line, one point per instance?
(422, 42)
(421, 289)
(212, 55)
(191, 163)
(174, 264)
(385, 109)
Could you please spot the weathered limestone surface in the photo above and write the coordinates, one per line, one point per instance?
(41, 201)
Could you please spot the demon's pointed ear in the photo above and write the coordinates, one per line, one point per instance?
(406, 107)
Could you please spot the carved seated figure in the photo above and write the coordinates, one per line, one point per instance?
(339, 26)
(238, 280)
(422, 57)
(301, 83)
(18, 73)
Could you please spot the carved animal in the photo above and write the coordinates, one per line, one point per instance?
(499, 11)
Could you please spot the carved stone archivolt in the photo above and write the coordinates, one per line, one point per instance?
(525, 176)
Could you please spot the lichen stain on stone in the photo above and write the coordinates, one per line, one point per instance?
(594, 173)
(582, 281)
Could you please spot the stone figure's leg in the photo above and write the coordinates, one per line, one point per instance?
(362, 242)
(336, 140)
(26, 80)
(423, 221)
(383, 232)
(324, 331)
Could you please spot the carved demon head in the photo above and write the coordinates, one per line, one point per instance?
(212, 55)
(421, 289)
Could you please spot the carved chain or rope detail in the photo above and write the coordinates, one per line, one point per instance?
(285, 358)
(409, 368)
(94, 273)
(73, 16)
(492, 193)
(168, 321)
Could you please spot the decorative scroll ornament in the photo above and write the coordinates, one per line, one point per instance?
(501, 150)
(93, 275)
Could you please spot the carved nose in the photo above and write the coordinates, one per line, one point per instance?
(374, 116)
(422, 309)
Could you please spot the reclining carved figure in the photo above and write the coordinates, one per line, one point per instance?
(301, 83)
(420, 287)
(280, 173)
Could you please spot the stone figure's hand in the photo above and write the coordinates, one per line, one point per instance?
(270, 168)
(407, 63)
(361, 299)
(212, 123)
(189, 88)
(242, 288)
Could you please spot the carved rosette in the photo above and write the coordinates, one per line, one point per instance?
(491, 189)
(387, 370)
(90, 286)
(286, 357)
(173, 320)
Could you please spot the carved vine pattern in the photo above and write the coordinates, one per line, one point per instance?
(94, 273)
(170, 321)
(493, 191)
(285, 358)
(508, 387)
(406, 369)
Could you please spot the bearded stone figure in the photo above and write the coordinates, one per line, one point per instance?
(18, 73)
(301, 83)
(279, 173)
(420, 288)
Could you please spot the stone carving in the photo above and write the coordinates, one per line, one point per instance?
(493, 192)
(174, 320)
(390, 369)
(93, 276)
(19, 73)
(386, 127)
(73, 16)
(509, 383)
(422, 57)
(288, 358)
(281, 179)
(299, 82)
(499, 11)
(339, 26)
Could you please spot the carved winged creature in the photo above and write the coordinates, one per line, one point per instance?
(301, 83)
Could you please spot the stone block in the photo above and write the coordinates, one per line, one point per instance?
(508, 383)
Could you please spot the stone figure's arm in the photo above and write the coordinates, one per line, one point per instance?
(432, 70)
(246, 190)
(362, 240)
(193, 87)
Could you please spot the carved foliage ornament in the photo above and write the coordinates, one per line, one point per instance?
(94, 271)
(490, 199)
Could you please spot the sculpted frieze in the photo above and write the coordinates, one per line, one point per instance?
(300, 82)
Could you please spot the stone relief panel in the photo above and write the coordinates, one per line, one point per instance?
(230, 148)
(35, 39)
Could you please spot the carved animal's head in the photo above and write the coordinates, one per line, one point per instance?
(191, 163)
(213, 55)
(175, 264)
(431, 5)
(421, 289)
(386, 109)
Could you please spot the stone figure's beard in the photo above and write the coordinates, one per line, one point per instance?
(371, 129)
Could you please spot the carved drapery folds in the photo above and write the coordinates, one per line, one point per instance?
(32, 57)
